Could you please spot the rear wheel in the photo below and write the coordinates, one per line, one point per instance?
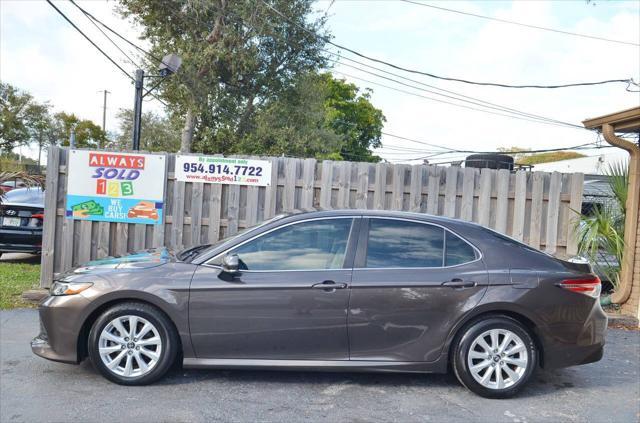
(495, 357)
(133, 344)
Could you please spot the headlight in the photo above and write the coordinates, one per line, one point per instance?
(68, 288)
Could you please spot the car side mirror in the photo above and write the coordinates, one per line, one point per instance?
(231, 264)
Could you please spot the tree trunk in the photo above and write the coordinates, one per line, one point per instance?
(187, 132)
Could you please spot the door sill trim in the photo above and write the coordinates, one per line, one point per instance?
(320, 365)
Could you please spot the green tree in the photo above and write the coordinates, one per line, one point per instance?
(237, 57)
(14, 117)
(157, 133)
(88, 134)
(41, 127)
(318, 117)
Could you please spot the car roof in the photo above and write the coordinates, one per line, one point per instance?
(317, 213)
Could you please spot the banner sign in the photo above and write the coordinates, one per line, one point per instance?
(222, 170)
(115, 187)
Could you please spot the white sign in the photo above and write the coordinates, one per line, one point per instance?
(222, 170)
(115, 187)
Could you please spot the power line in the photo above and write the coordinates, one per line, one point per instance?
(505, 108)
(542, 119)
(456, 104)
(90, 40)
(105, 34)
(559, 31)
(431, 75)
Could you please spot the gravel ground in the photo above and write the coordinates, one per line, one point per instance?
(34, 389)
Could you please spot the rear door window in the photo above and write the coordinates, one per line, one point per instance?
(458, 251)
(404, 244)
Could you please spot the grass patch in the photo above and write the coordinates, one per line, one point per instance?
(15, 278)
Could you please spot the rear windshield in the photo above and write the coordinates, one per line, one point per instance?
(33, 196)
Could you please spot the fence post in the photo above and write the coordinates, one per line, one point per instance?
(50, 216)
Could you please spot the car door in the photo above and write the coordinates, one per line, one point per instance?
(412, 281)
(289, 300)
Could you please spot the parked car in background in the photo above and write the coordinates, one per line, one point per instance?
(21, 216)
(341, 290)
(11, 185)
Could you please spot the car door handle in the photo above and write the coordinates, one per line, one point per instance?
(459, 283)
(329, 286)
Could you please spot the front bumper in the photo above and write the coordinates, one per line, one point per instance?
(60, 325)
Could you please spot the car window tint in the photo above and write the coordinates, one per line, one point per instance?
(458, 251)
(399, 243)
(316, 244)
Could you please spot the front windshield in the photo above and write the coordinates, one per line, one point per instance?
(189, 254)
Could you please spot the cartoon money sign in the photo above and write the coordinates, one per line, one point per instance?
(115, 187)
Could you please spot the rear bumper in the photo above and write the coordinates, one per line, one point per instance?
(584, 345)
(20, 240)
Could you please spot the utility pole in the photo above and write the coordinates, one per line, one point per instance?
(104, 113)
(72, 138)
(137, 109)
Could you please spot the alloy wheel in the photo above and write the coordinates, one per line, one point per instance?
(497, 359)
(130, 346)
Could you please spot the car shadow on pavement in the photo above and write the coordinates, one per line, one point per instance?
(543, 383)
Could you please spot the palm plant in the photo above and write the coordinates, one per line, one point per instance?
(601, 233)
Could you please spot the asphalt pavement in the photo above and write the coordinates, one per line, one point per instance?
(34, 389)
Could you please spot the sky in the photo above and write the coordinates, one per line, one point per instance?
(44, 55)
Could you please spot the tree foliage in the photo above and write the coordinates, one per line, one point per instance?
(252, 78)
(158, 133)
(14, 116)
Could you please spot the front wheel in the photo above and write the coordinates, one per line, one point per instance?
(133, 344)
(495, 357)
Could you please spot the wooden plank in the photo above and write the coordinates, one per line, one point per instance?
(121, 236)
(252, 205)
(535, 226)
(344, 185)
(451, 191)
(575, 208)
(177, 225)
(103, 241)
(326, 184)
(380, 187)
(215, 205)
(197, 192)
(308, 175)
(468, 182)
(519, 204)
(49, 221)
(139, 237)
(502, 201)
(433, 190)
(484, 197)
(362, 193)
(271, 192)
(397, 190)
(415, 189)
(553, 212)
(158, 229)
(289, 189)
(233, 205)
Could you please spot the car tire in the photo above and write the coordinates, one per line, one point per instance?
(122, 357)
(494, 357)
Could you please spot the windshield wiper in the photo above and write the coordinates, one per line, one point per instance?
(192, 252)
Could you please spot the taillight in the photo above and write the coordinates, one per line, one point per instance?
(38, 216)
(36, 219)
(589, 286)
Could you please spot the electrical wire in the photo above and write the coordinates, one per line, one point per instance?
(475, 100)
(575, 34)
(456, 104)
(431, 75)
(532, 117)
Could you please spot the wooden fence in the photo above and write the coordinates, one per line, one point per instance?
(534, 207)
